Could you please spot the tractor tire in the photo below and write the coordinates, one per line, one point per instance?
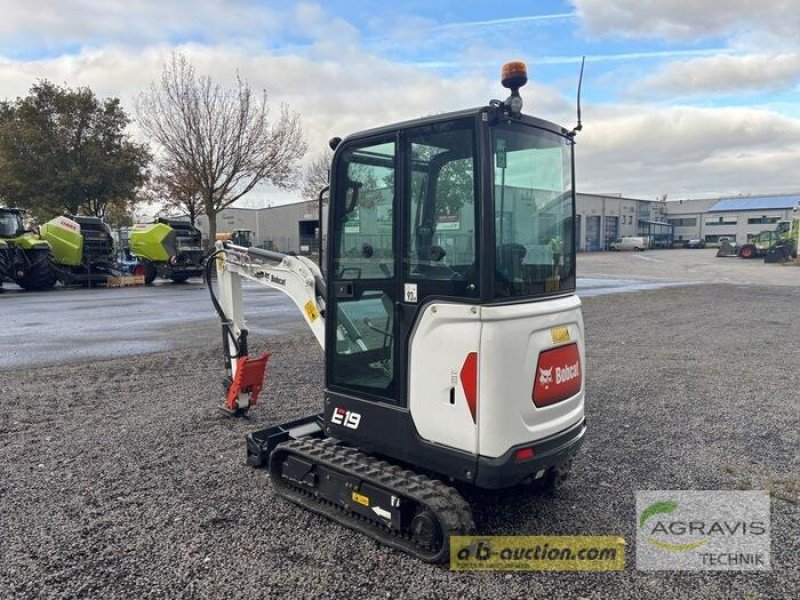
(41, 275)
(147, 270)
(748, 251)
(773, 255)
(778, 254)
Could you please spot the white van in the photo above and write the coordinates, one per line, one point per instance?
(637, 244)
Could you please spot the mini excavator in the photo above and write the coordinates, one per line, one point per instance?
(452, 335)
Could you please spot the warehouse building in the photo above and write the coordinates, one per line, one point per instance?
(287, 228)
(600, 219)
(734, 218)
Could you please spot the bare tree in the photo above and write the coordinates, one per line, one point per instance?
(220, 139)
(317, 176)
(177, 191)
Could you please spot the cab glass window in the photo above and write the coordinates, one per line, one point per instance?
(366, 219)
(441, 238)
(533, 212)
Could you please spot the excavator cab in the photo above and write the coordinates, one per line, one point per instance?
(449, 235)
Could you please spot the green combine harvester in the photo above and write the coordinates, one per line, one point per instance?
(82, 249)
(24, 258)
(167, 248)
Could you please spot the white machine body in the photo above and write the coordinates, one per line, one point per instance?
(508, 341)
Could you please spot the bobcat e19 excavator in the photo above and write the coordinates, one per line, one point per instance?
(453, 338)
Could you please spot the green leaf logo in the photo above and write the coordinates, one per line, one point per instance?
(655, 509)
(662, 508)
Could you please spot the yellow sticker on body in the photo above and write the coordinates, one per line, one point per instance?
(361, 499)
(560, 335)
(311, 311)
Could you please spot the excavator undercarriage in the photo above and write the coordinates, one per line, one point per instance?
(397, 507)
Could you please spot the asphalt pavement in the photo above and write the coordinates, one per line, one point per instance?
(66, 325)
(70, 325)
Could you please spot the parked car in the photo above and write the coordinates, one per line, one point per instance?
(637, 244)
(694, 244)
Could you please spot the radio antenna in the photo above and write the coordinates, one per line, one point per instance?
(579, 126)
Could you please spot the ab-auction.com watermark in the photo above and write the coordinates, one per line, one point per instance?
(537, 553)
(703, 530)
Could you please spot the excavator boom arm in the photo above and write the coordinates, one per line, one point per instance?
(295, 276)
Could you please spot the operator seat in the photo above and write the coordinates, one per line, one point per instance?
(509, 267)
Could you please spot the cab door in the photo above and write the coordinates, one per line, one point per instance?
(362, 299)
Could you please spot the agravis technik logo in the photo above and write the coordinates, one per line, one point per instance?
(703, 530)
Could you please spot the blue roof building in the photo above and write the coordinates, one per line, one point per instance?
(785, 202)
(734, 218)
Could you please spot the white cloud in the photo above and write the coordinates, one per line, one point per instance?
(686, 151)
(55, 23)
(637, 150)
(337, 91)
(521, 20)
(339, 87)
(723, 74)
(688, 19)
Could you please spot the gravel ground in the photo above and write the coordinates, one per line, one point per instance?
(119, 479)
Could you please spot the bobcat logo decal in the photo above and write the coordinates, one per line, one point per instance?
(546, 377)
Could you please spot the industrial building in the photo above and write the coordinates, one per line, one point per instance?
(287, 228)
(735, 218)
(600, 219)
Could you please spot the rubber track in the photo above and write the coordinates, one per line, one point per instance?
(450, 510)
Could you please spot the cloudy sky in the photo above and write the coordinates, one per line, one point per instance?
(688, 98)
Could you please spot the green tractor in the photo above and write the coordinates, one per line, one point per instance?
(83, 249)
(167, 248)
(778, 245)
(24, 258)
